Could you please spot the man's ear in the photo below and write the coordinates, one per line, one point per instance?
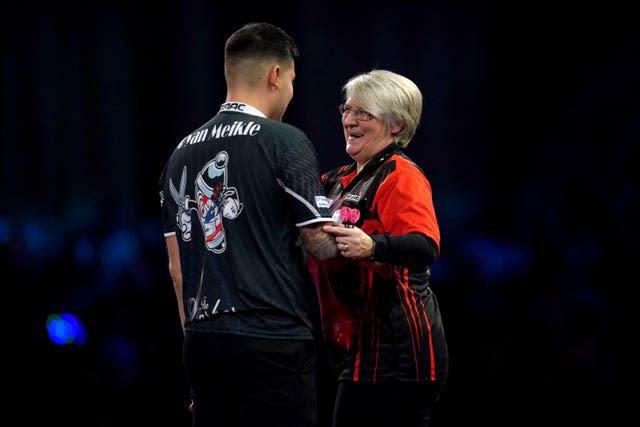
(274, 77)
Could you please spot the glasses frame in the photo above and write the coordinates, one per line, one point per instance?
(361, 115)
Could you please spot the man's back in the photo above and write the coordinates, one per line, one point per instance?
(235, 189)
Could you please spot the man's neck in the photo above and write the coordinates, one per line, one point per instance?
(253, 98)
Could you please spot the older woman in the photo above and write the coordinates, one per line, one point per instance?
(379, 313)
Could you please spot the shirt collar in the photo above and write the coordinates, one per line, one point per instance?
(240, 107)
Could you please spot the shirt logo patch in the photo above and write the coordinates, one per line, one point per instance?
(355, 198)
(322, 202)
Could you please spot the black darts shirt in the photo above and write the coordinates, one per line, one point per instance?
(234, 192)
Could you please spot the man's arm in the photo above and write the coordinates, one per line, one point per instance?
(175, 270)
(318, 243)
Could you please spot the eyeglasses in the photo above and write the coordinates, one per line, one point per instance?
(361, 115)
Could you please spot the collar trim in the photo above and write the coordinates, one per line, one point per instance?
(240, 107)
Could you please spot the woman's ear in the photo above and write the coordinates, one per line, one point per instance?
(396, 129)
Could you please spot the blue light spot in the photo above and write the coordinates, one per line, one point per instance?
(42, 238)
(497, 260)
(66, 329)
(119, 251)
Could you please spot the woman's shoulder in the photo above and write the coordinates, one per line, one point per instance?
(404, 163)
(336, 172)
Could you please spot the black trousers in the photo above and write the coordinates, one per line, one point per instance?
(244, 381)
(385, 404)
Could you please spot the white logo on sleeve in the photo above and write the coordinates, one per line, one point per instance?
(322, 202)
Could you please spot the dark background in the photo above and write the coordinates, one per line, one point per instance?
(529, 137)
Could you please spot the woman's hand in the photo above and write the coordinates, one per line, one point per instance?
(352, 242)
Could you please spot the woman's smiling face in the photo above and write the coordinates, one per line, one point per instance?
(364, 138)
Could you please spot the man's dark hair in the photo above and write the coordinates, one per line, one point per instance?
(260, 40)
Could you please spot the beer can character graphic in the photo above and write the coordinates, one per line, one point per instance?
(213, 197)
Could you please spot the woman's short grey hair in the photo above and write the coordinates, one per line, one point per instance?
(388, 96)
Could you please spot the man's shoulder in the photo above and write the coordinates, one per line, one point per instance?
(284, 130)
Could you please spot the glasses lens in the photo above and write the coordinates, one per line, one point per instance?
(359, 114)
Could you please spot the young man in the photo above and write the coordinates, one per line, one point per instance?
(240, 198)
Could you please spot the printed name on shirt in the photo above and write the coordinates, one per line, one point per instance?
(238, 128)
(201, 310)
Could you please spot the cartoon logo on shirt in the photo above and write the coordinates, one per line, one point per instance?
(214, 200)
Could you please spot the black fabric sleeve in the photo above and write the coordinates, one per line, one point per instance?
(297, 170)
(408, 250)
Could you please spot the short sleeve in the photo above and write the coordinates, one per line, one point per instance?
(168, 220)
(298, 174)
